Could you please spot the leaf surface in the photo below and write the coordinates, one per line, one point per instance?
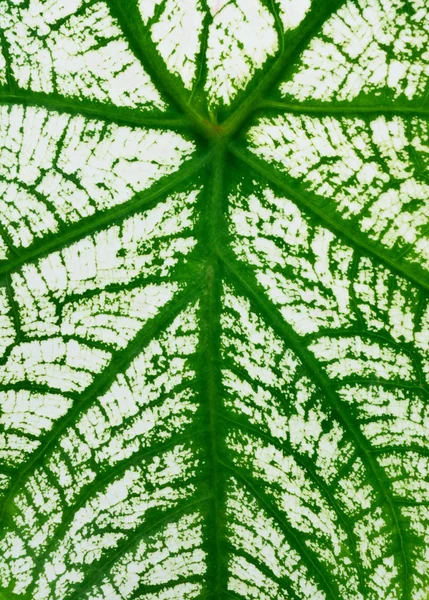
(214, 254)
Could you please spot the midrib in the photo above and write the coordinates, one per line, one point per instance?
(209, 359)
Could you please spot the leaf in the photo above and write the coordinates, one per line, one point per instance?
(214, 254)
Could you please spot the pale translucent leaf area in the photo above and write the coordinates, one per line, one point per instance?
(3, 78)
(214, 300)
(59, 364)
(4, 250)
(316, 295)
(7, 326)
(74, 48)
(27, 414)
(293, 12)
(51, 300)
(366, 47)
(178, 18)
(240, 40)
(255, 532)
(367, 170)
(114, 317)
(57, 169)
(290, 420)
(172, 553)
(240, 37)
(124, 422)
(147, 8)
(366, 366)
(147, 245)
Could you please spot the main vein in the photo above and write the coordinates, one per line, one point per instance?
(210, 335)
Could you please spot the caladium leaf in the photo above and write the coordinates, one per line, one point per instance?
(214, 254)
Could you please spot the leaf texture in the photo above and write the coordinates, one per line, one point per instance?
(214, 313)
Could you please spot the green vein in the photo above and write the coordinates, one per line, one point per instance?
(144, 589)
(101, 383)
(245, 280)
(211, 262)
(130, 22)
(90, 225)
(305, 464)
(148, 526)
(294, 44)
(92, 109)
(209, 347)
(344, 110)
(349, 234)
(101, 480)
(293, 536)
(5, 50)
(282, 582)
